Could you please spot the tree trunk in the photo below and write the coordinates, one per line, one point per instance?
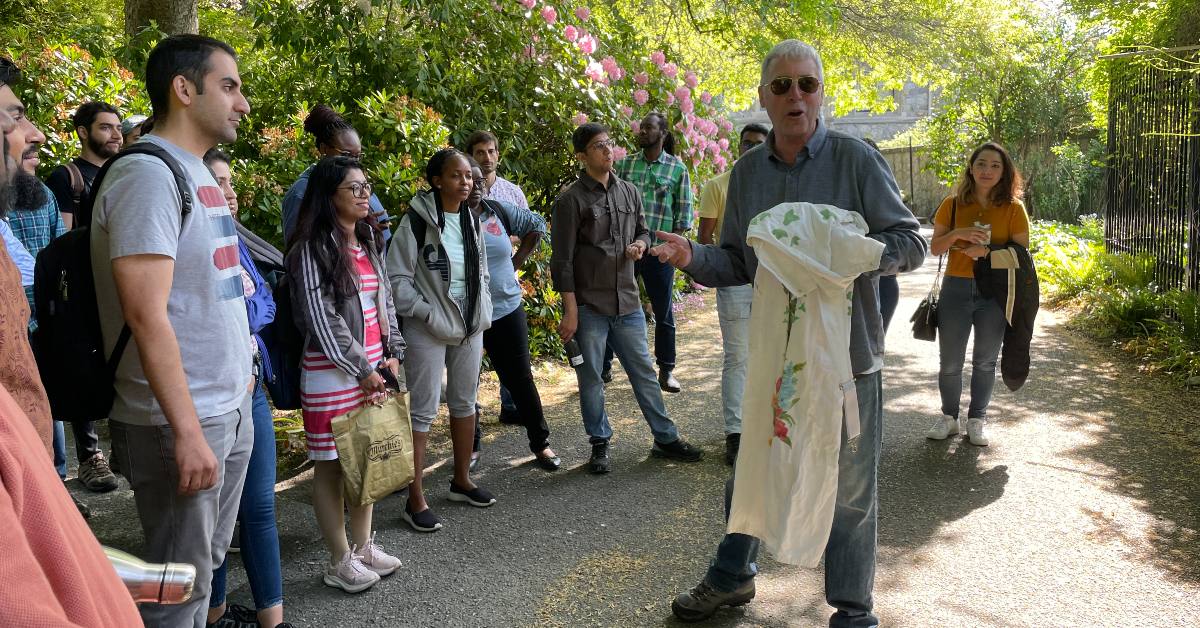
(171, 16)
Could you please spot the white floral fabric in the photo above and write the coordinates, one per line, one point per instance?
(799, 385)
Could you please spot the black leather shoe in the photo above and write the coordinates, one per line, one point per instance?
(733, 442)
(548, 463)
(598, 463)
(667, 381)
(679, 450)
(606, 375)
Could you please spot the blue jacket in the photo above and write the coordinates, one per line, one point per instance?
(260, 306)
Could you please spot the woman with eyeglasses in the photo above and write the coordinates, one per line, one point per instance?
(343, 307)
(335, 137)
(439, 276)
(985, 209)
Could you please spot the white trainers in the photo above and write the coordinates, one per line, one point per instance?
(975, 432)
(942, 428)
(374, 558)
(350, 574)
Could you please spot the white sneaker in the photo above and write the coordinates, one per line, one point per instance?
(350, 575)
(374, 558)
(975, 432)
(942, 428)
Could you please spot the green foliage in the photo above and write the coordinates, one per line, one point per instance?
(1118, 295)
(1023, 84)
(1068, 257)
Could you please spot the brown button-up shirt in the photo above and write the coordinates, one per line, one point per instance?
(592, 225)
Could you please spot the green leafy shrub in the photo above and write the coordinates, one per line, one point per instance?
(1068, 257)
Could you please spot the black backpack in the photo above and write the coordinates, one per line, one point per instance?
(67, 344)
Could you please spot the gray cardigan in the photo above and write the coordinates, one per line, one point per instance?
(337, 330)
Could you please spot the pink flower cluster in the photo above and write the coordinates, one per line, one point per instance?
(579, 119)
(641, 96)
(549, 14)
(619, 153)
(626, 111)
(641, 78)
(706, 98)
(657, 57)
(611, 68)
(691, 79)
(670, 70)
(583, 13)
(595, 71)
(587, 44)
(528, 4)
(570, 33)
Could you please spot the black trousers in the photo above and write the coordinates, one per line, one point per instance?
(507, 345)
(87, 443)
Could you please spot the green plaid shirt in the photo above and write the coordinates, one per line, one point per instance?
(35, 228)
(665, 187)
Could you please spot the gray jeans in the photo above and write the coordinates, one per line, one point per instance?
(194, 529)
(424, 359)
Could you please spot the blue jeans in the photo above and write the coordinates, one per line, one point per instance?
(259, 536)
(627, 336)
(960, 308)
(60, 449)
(733, 312)
(850, 552)
(659, 280)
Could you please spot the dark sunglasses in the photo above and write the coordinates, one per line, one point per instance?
(781, 85)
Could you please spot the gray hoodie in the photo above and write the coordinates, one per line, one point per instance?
(420, 274)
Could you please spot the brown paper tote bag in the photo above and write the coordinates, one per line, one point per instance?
(375, 447)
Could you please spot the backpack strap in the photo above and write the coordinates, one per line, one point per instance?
(84, 217)
(418, 226)
(77, 184)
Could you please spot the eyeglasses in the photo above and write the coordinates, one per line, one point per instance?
(352, 155)
(781, 85)
(357, 190)
(748, 144)
(606, 144)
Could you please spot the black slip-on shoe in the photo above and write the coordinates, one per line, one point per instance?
(678, 450)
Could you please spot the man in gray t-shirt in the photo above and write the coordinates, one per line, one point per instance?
(181, 426)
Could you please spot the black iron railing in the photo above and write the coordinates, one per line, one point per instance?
(1154, 164)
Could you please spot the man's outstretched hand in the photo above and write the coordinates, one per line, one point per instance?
(674, 250)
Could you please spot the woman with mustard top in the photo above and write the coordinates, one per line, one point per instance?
(985, 209)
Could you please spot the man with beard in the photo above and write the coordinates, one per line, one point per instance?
(18, 371)
(666, 192)
(98, 126)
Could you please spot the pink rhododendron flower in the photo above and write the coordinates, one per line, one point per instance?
(712, 148)
(570, 33)
(587, 44)
(626, 110)
(528, 4)
(686, 106)
(610, 66)
(550, 15)
(635, 126)
(529, 52)
(619, 153)
(683, 93)
(641, 78)
(670, 99)
(726, 126)
(706, 98)
(579, 119)
(641, 96)
(690, 79)
(723, 143)
(583, 13)
(658, 58)
(594, 71)
(670, 70)
(720, 163)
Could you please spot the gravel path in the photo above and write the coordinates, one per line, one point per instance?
(1083, 511)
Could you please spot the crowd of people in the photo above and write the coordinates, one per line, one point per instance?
(414, 301)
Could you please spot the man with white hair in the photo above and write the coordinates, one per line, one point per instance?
(804, 161)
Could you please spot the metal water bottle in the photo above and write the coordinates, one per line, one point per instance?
(168, 583)
(574, 354)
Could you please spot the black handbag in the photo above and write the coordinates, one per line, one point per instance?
(925, 319)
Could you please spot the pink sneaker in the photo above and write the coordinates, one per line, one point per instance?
(374, 558)
(350, 575)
